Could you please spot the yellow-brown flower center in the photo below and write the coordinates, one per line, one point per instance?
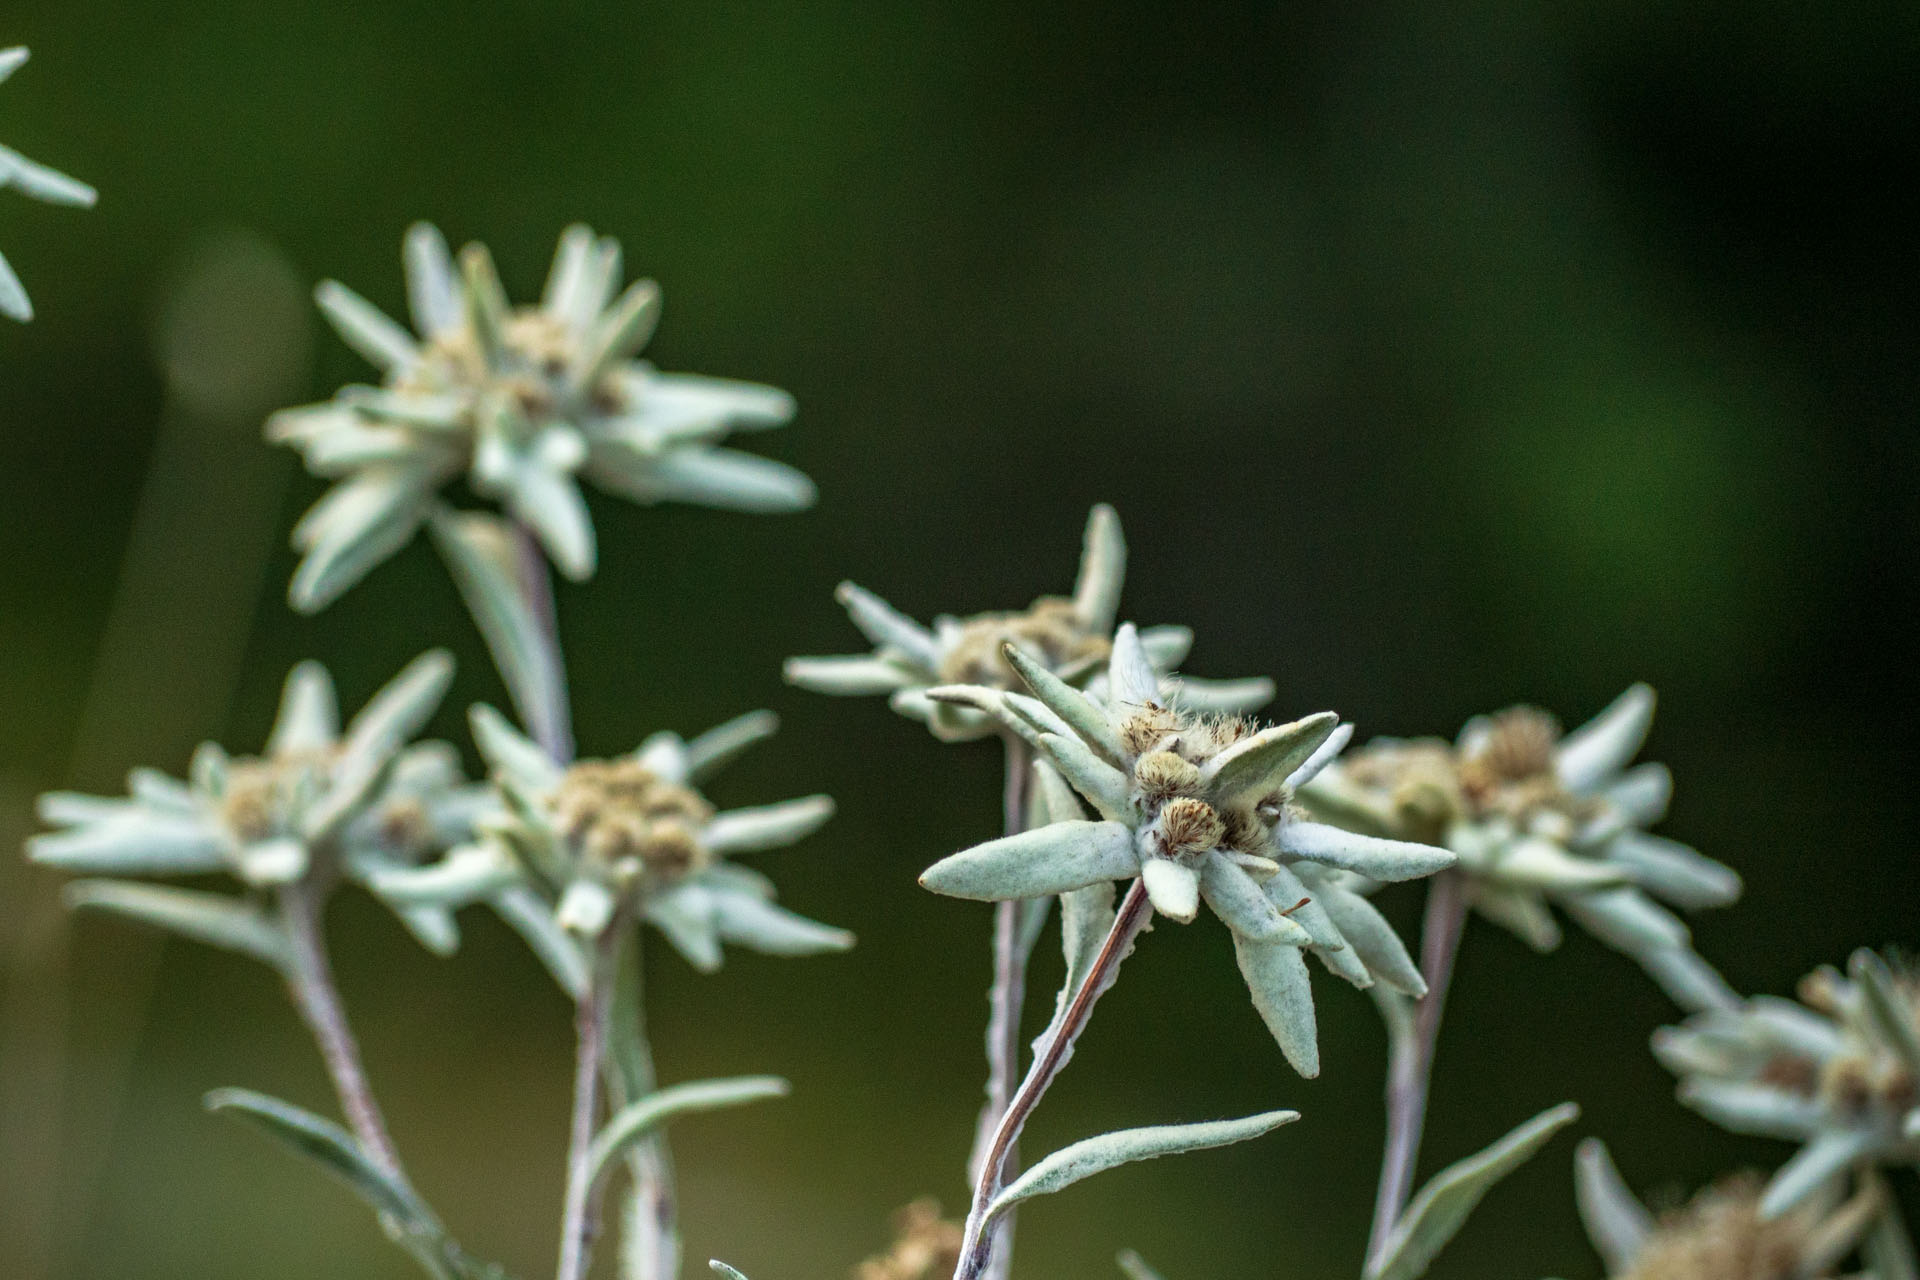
(925, 1247)
(1720, 1236)
(263, 793)
(1049, 630)
(538, 351)
(614, 812)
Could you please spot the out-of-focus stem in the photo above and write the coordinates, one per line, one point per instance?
(578, 1215)
(554, 730)
(310, 977)
(1411, 1047)
(651, 1245)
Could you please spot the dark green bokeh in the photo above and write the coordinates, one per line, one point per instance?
(1436, 357)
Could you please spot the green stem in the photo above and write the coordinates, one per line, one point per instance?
(650, 1247)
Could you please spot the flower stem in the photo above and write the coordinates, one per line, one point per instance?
(1006, 1000)
(554, 728)
(579, 1210)
(1053, 1050)
(1410, 1068)
(651, 1244)
(310, 978)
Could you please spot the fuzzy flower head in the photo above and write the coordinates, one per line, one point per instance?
(1199, 806)
(1722, 1232)
(601, 842)
(316, 802)
(1838, 1072)
(1070, 635)
(926, 1246)
(38, 181)
(525, 402)
(1538, 816)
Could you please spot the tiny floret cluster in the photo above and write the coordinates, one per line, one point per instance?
(605, 842)
(525, 402)
(1539, 817)
(1069, 635)
(1838, 1072)
(38, 181)
(316, 802)
(1198, 806)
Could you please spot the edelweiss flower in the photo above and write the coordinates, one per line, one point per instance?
(315, 802)
(1536, 817)
(604, 838)
(34, 180)
(1839, 1072)
(1200, 808)
(522, 400)
(1721, 1234)
(926, 1246)
(1071, 636)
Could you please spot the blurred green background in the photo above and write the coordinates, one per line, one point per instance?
(1436, 356)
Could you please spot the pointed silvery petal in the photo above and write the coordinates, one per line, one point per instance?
(215, 919)
(1218, 697)
(485, 302)
(1606, 744)
(1373, 940)
(366, 520)
(1301, 902)
(1370, 856)
(746, 920)
(1103, 571)
(1322, 756)
(1051, 799)
(1166, 647)
(1626, 919)
(1276, 977)
(1104, 786)
(686, 916)
(1642, 793)
(1237, 900)
(1688, 980)
(31, 178)
(73, 809)
(1673, 871)
(566, 279)
(550, 503)
(14, 302)
(432, 294)
(11, 60)
(1536, 863)
(887, 627)
(157, 791)
(852, 675)
(663, 755)
(618, 334)
(586, 908)
(1131, 679)
(532, 919)
(469, 873)
(1793, 1028)
(366, 328)
(401, 708)
(769, 826)
(1051, 859)
(1756, 1109)
(1889, 1010)
(133, 844)
(683, 408)
(280, 860)
(1814, 1167)
(508, 751)
(1172, 887)
(725, 479)
(1521, 912)
(1259, 766)
(719, 746)
(1081, 713)
(309, 718)
(1035, 714)
(1616, 1221)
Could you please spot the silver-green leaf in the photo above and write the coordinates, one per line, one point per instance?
(635, 1121)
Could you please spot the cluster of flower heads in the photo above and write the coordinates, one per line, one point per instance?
(1538, 817)
(1072, 636)
(36, 180)
(602, 842)
(317, 803)
(1198, 806)
(1720, 1234)
(557, 851)
(1838, 1072)
(926, 1246)
(525, 402)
